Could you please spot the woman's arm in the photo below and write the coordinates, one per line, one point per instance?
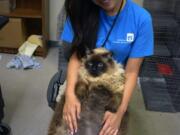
(112, 121)
(72, 105)
(72, 72)
(131, 74)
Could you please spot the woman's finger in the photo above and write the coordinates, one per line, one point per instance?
(116, 131)
(103, 130)
(74, 120)
(106, 115)
(65, 119)
(108, 131)
(113, 131)
(70, 123)
(78, 111)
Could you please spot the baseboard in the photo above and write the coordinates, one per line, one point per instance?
(52, 43)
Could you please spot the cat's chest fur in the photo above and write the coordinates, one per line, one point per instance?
(113, 80)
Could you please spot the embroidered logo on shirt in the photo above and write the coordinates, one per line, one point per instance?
(130, 37)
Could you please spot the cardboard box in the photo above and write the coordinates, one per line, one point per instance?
(12, 35)
(6, 6)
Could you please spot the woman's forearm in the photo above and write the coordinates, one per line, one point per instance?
(130, 85)
(131, 75)
(72, 73)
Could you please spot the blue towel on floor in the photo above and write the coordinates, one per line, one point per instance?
(23, 62)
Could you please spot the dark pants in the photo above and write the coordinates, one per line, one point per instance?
(1, 106)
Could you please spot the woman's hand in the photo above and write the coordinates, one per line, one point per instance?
(71, 112)
(111, 123)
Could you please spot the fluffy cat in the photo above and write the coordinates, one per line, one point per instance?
(99, 88)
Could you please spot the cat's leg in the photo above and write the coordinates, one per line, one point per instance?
(114, 102)
(57, 123)
(81, 90)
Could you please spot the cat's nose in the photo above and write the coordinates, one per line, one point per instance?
(94, 68)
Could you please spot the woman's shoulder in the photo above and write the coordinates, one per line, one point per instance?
(139, 11)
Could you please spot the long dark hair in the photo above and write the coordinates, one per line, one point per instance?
(84, 18)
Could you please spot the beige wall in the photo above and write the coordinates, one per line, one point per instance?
(54, 7)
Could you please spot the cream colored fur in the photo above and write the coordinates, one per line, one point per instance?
(113, 79)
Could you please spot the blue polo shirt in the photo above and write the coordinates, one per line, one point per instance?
(131, 37)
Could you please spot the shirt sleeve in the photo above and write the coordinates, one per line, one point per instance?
(144, 42)
(67, 34)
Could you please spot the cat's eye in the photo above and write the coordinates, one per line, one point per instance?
(100, 64)
(90, 64)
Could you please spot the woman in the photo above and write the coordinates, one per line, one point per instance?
(122, 27)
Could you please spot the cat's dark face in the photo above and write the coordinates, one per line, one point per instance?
(95, 67)
(96, 64)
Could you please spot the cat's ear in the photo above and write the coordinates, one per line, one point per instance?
(88, 52)
(108, 54)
